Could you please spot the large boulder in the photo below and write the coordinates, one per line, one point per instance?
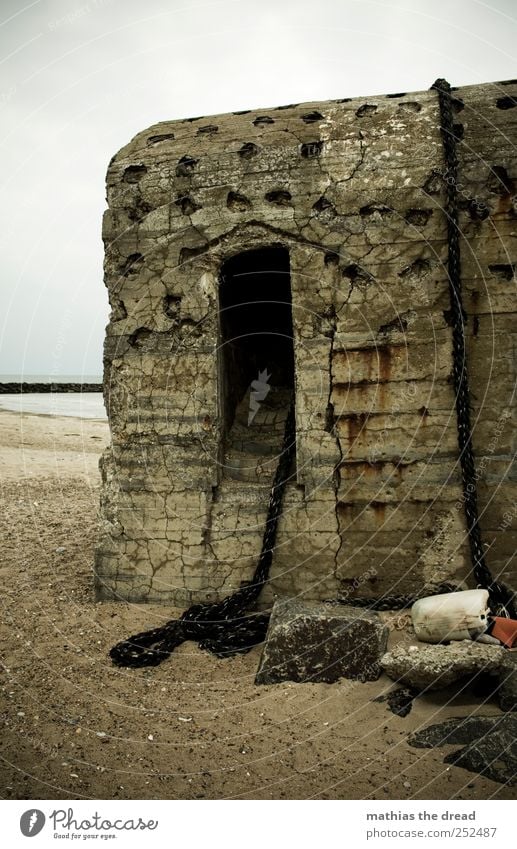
(433, 667)
(317, 642)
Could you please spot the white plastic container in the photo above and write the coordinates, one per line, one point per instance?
(451, 616)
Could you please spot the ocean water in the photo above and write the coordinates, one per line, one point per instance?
(83, 405)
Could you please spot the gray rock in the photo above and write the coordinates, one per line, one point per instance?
(508, 682)
(433, 667)
(490, 744)
(316, 642)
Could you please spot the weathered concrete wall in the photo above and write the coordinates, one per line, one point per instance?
(355, 190)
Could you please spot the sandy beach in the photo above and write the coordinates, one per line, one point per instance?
(196, 727)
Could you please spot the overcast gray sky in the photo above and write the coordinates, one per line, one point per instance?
(79, 79)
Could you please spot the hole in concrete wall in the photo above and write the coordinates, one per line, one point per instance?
(312, 117)
(134, 173)
(256, 345)
(366, 109)
(309, 150)
(280, 197)
(504, 270)
(194, 329)
(499, 181)
(262, 120)
(171, 306)
(475, 326)
(343, 100)
(118, 310)
(131, 265)
(324, 322)
(399, 94)
(185, 166)
(324, 205)
(372, 208)
(237, 202)
(418, 217)
(506, 103)
(161, 137)
(139, 210)
(410, 106)
(477, 209)
(331, 257)
(140, 338)
(357, 274)
(187, 204)
(207, 130)
(399, 323)
(248, 150)
(419, 268)
(187, 254)
(433, 183)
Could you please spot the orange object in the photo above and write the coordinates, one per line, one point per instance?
(505, 630)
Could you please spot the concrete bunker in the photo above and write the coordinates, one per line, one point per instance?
(345, 201)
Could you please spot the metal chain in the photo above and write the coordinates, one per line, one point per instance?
(395, 602)
(226, 627)
(501, 597)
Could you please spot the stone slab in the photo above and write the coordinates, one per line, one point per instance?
(431, 667)
(316, 642)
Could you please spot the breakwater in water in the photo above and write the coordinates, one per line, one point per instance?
(22, 388)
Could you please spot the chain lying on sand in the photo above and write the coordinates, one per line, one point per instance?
(397, 602)
(229, 626)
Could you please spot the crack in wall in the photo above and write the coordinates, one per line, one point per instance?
(331, 427)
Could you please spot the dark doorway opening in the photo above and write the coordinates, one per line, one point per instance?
(257, 354)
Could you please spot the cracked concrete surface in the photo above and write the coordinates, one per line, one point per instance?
(354, 191)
